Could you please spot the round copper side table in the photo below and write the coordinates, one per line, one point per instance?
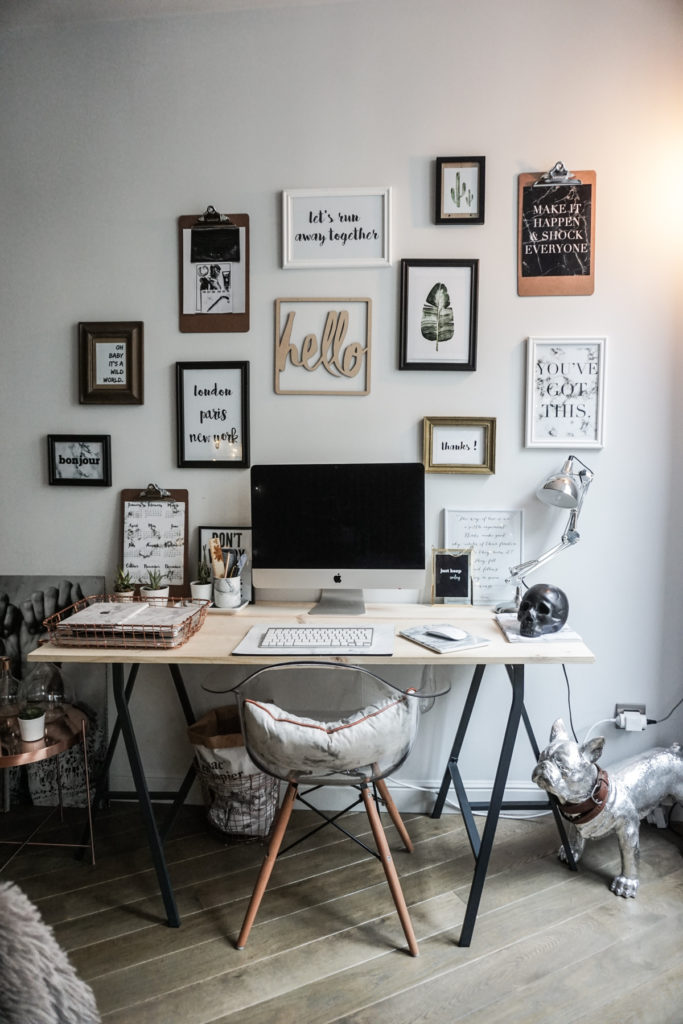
(62, 732)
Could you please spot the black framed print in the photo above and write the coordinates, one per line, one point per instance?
(213, 414)
(460, 189)
(439, 314)
(110, 363)
(79, 460)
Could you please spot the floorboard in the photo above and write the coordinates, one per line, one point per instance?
(550, 946)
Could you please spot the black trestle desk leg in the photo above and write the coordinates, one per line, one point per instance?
(452, 773)
(497, 794)
(552, 799)
(138, 774)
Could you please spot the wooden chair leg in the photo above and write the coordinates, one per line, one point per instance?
(392, 811)
(274, 844)
(389, 869)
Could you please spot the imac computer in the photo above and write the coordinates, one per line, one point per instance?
(339, 528)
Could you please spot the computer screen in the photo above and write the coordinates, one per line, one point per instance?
(340, 528)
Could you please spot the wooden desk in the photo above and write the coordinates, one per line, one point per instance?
(221, 632)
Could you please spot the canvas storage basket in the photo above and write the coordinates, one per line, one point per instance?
(241, 800)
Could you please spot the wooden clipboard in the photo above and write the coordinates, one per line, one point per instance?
(204, 323)
(556, 229)
(154, 534)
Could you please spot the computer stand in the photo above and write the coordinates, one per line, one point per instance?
(339, 602)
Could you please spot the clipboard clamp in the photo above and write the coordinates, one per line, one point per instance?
(211, 218)
(557, 175)
(153, 492)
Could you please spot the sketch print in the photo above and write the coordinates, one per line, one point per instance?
(437, 316)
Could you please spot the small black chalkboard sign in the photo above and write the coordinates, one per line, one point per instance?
(451, 575)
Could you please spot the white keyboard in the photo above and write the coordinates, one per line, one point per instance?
(327, 637)
(368, 639)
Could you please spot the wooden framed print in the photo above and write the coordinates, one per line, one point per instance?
(79, 460)
(213, 414)
(565, 392)
(336, 227)
(459, 444)
(439, 314)
(459, 189)
(110, 363)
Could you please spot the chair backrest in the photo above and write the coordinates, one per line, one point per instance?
(325, 722)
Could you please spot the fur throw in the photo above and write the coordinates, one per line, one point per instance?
(37, 982)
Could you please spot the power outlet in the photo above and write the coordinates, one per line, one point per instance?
(621, 709)
(630, 717)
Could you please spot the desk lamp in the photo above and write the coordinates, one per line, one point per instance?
(565, 488)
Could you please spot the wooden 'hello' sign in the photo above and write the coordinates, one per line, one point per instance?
(322, 346)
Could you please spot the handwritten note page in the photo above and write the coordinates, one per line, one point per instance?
(154, 538)
(495, 537)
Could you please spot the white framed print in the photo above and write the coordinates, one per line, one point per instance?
(565, 394)
(336, 227)
(496, 539)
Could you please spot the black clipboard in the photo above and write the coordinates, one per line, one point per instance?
(213, 263)
(154, 534)
(556, 232)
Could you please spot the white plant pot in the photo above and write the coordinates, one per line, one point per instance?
(201, 591)
(147, 592)
(32, 729)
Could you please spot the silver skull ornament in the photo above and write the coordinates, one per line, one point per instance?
(543, 609)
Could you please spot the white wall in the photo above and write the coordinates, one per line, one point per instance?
(111, 130)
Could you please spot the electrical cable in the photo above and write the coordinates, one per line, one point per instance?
(656, 721)
(569, 702)
(602, 721)
(451, 803)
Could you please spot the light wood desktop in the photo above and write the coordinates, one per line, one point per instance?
(221, 632)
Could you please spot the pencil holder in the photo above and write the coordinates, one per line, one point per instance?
(227, 592)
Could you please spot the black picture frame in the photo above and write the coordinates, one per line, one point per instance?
(79, 460)
(110, 363)
(430, 318)
(460, 190)
(452, 575)
(212, 400)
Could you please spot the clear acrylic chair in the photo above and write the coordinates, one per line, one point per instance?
(315, 724)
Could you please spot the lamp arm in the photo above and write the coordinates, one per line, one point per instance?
(570, 536)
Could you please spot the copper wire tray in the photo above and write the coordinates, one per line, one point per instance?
(133, 634)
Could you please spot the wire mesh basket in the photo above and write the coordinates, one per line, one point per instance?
(105, 620)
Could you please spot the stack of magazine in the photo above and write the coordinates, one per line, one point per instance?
(114, 619)
(510, 627)
(431, 636)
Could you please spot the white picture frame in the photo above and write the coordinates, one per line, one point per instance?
(336, 227)
(496, 538)
(565, 392)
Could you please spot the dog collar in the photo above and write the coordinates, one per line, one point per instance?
(580, 813)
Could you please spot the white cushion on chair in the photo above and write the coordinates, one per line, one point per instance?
(287, 744)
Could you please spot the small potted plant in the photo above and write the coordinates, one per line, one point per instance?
(32, 723)
(153, 586)
(124, 588)
(201, 589)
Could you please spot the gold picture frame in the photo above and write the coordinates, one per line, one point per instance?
(459, 444)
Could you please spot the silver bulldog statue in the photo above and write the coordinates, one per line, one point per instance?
(595, 803)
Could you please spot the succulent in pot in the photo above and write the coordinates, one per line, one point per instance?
(153, 585)
(202, 587)
(123, 584)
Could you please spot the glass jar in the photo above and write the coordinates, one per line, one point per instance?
(43, 687)
(9, 705)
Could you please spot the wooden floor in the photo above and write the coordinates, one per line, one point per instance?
(549, 945)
